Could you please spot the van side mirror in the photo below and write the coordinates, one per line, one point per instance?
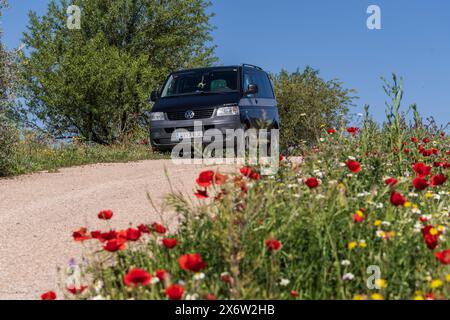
(154, 95)
(252, 89)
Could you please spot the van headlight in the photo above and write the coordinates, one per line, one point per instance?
(228, 111)
(156, 116)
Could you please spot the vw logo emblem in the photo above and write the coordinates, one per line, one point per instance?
(189, 114)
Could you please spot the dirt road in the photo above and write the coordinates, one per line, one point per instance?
(39, 212)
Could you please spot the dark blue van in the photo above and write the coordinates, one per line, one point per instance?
(231, 97)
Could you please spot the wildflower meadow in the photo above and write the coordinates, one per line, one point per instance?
(364, 215)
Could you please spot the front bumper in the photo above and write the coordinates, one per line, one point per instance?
(161, 131)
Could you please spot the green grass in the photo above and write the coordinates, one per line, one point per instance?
(32, 157)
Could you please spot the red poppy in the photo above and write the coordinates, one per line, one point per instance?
(273, 245)
(144, 228)
(246, 171)
(114, 245)
(96, 234)
(358, 218)
(312, 183)
(75, 290)
(133, 234)
(438, 164)
(137, 276)
(105, 214)
(105, 236)
(438, 180)
(161, 274)
(421, 169)
(352, 130)
(443, 256)
(159, 228)
(331, 131)
(201, 194)
(431, 236)
(81, 235)
(430, 296)
(169, 243)
(294, 294)
(414, 139)
(226, 277)
(175, 292)
(420, 183)
(282, 158)
(50, 295)
(211, 297)
(220, 179)
(397, 199)
(205, 178)
(426, 140)
(353, 166)
(426, 153)
(391, 182)
(431, 241)
(191, 262)
(254, 176)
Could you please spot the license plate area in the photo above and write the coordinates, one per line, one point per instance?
(180, 135)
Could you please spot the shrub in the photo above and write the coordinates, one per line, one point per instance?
(307, 103)
(9, 138)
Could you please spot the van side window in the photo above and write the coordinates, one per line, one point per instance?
(249, 78)
(264, 85)
(261, 79)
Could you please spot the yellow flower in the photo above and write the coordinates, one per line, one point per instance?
(392, 234)
(448, 277)
(377, 296)
(407, 204)
(381, 283)
(433, 231)
(441, 228)
(415, 206)
(419, 298)
(362, 244)
(429, 195)
(341, 186)
(352, 245)
(377, 223)
(436, 284)
(359, 297)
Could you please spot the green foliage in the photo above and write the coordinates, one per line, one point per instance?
(96, 81)
(36, 153)
(9, 135)
(9, 139)
(308, 103)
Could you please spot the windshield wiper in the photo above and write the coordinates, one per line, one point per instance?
(212, 92)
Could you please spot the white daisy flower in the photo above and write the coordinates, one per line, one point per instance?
(284, 282)
(348, 277)
(345, 262)
(199, 276)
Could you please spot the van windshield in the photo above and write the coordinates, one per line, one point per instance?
(201, 81)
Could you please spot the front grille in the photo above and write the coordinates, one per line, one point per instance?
(198, 114)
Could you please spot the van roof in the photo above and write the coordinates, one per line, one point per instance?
(218, 67)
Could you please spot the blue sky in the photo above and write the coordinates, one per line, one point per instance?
(330, 35)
